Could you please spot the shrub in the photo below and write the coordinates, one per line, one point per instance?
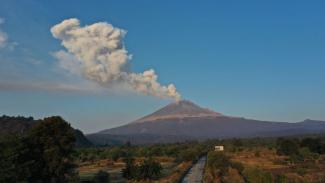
(257, 153)
(130, 170)
(254, 175)
(287, 146)
(218, 163)
(149, 170)
(313, 144)
(238, 166)
(301, 171)
(101, 177)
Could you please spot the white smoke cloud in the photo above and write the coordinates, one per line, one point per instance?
(97, 53)
(3, 36)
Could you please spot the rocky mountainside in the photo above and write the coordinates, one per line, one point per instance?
(185, 120)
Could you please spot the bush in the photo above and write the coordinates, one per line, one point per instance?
(254, 175)
(130, 170)
(238, 166)
(149, 170)
(313, 144)
(257, 153)
(281, 179)
(101, 177)
(218, 163)
(287, 146)
(301, 171)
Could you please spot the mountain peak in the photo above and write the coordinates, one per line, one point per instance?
(179, 109)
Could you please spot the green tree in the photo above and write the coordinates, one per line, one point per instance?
(314, 144)
(16, 163)
(130, 170)
(287, 146)
(44, 155)
(149, 170)
(53, 143)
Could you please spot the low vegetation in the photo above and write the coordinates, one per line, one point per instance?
(48, 153)
(280, 160)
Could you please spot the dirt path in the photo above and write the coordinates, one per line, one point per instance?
(195, 175)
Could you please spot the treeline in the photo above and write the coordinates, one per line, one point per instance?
(44, 154)
(188, 151)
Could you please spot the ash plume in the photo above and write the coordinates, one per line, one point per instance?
(97, 53)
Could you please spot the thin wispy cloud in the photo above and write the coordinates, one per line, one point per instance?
(52, 86)
(3, 35)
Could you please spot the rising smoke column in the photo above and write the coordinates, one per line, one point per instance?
(97, 53)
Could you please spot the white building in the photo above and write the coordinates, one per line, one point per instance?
(218, 148)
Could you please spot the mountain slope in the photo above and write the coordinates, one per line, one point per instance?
(187, 121)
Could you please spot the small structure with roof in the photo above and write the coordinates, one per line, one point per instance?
(218, 148)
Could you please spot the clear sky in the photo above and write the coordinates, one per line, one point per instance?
(256, 59)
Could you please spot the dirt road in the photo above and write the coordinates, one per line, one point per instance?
(195, 175)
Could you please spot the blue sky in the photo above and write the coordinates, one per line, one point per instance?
(254, 59)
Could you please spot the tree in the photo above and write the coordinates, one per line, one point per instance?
(43, 155)
(287, 146)
(130, 170)
(53, 142)
(149, 170)
(314, 144)
(15, 161)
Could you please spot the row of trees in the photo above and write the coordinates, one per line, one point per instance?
(188, 151)
(43, 155)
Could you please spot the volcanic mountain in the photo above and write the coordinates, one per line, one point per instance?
(185, 120)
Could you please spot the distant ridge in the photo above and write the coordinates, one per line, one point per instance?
(185, 120)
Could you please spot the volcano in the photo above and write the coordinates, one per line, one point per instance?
(185, 120)
(179, 110)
